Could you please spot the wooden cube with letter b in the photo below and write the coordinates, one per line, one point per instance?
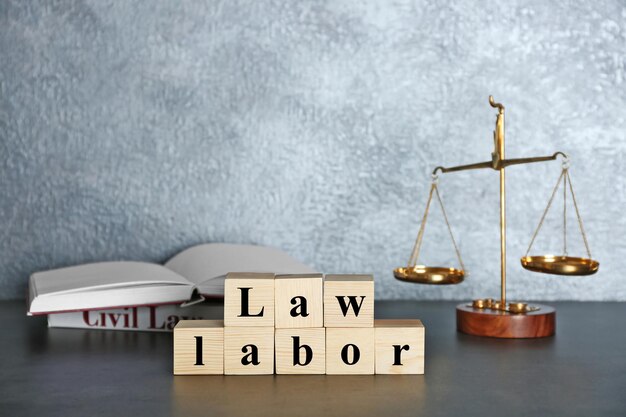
(349, 301)
(298, 301)
(249, 299)
(199, 347)
(399, 346)
(301, 351)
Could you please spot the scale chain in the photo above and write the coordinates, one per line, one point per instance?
(565, 214)
(567, 183)
(420, 235)
(445, 217)
(418, 242)
(545, 212)
(580, 220)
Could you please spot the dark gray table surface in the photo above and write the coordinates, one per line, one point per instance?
(581, 371)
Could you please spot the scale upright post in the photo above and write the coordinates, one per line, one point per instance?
(499, 147)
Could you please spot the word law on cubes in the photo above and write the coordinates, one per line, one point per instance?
(298, 324)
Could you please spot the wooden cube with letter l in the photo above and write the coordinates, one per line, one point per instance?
(350, 351)
(199, 347)
(399, 346)
(249, 299)
(349, 301)
(248, 350)
(301, 351)
(298, 301)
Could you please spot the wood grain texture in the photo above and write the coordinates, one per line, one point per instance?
(315, 338)
(359, 286)
(260, 297)
(409, 335)
(541, 323)
(338, 338)
(236, 338)
(308, 286)
(185, 348)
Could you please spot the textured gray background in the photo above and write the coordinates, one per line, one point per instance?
(131, 130)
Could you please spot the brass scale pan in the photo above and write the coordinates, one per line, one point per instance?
(435, 275)
(560, 265)
(547, 264)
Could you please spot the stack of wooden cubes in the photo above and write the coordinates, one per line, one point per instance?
(298, 324)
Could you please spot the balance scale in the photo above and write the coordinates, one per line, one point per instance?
(499, 318)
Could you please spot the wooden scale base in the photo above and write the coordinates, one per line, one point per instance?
(502, 324)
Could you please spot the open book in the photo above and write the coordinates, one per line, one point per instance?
(194, 273)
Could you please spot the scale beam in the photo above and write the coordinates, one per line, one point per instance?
(479, 165)
(519, 161)
(499, 164)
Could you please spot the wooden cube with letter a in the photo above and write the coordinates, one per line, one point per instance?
(350, 351)
(399, 346)
(248, 350)
(249, 299)
(349, 301)
(298, 301)
(199, 347)
(301, 351)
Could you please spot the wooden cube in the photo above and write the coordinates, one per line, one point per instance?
(199, 347)
(349, 301)
(298, 301)
(249, 299)
(350, 351)
(399, 346)
(301, 351)
(248, 350)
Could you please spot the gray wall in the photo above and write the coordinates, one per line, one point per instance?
(131, 130)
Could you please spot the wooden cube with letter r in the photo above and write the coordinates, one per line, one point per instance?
(348, 301)
(399, 346)
(199, 347)
(298, 301)
(249, 299)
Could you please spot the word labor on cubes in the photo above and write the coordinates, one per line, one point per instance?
(298, 324)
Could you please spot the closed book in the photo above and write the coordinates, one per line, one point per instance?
(150, 318)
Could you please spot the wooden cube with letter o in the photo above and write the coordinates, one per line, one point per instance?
(349, 351)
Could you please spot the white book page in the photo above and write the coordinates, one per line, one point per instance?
(111, 298)
(102, 275)
(207, 265)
